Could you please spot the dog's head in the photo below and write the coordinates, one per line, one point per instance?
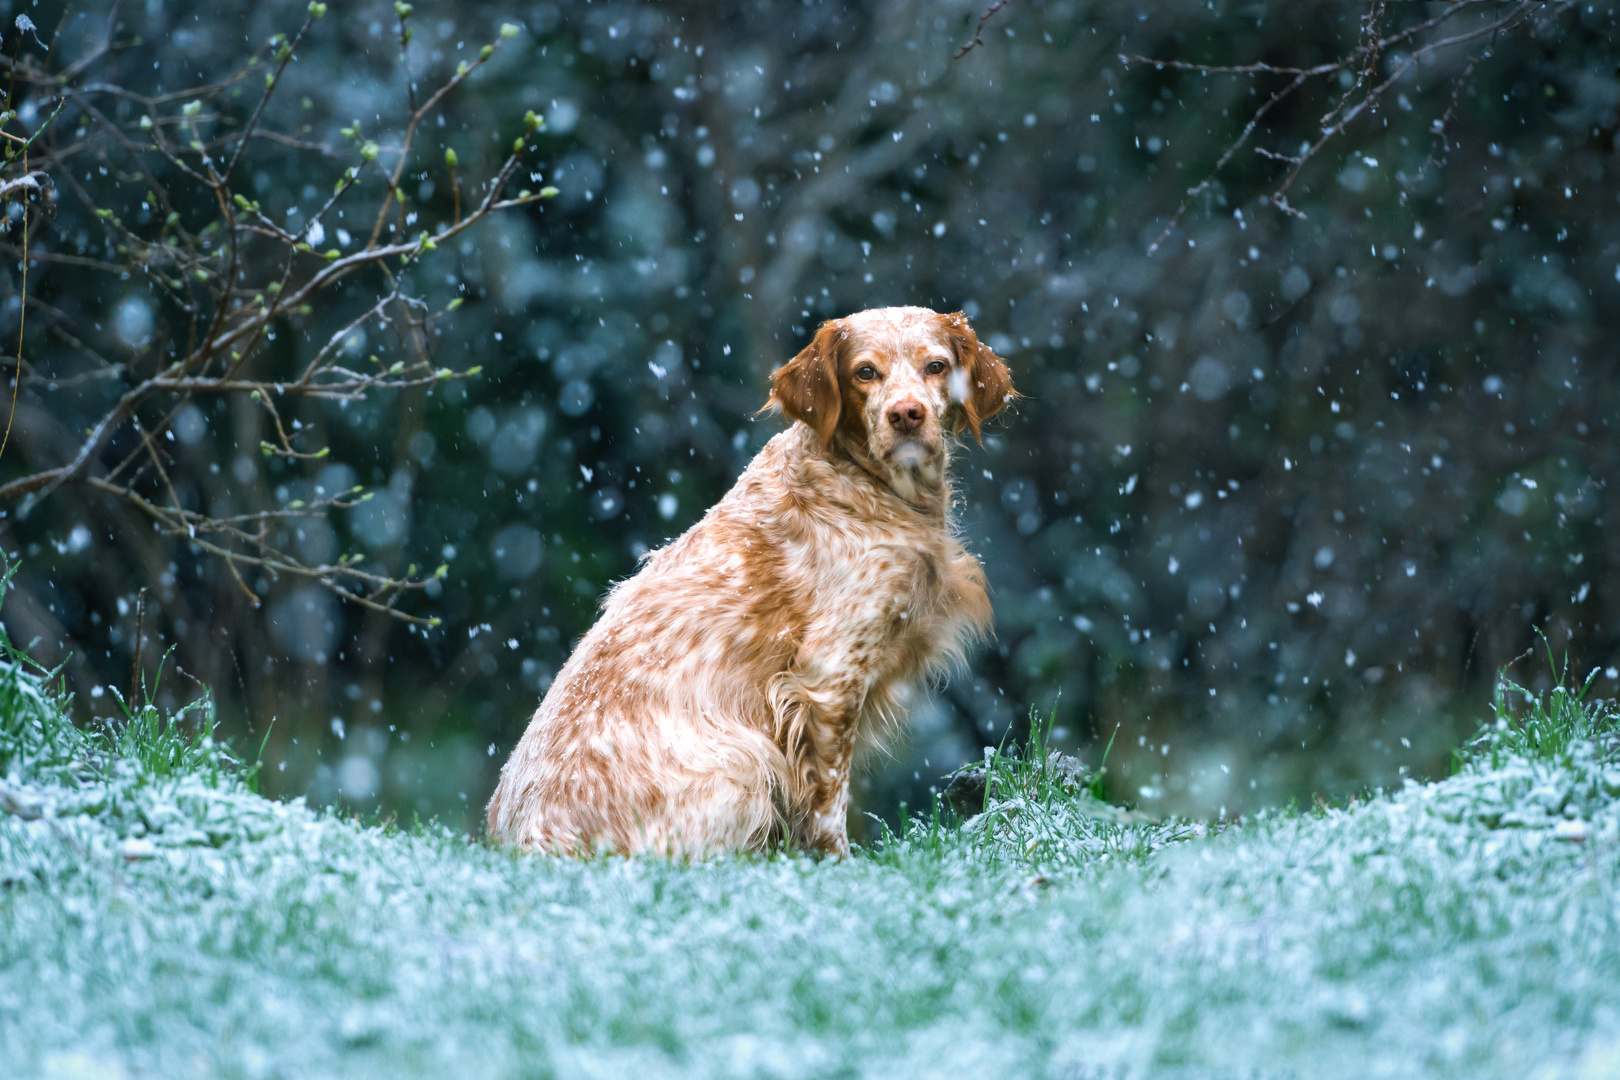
(887, 385)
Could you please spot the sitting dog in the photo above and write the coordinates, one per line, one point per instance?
(718, 702)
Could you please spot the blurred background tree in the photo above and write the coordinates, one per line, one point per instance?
(1285, 489)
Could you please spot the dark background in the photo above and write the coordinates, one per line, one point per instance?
(1280, 498)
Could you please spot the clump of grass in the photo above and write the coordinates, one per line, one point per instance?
(37, 739)
(40, 743)
(164, 746)
(1038, 774)
(1041, 811)
(1544, 727)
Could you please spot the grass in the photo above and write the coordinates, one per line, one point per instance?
(1553, 727)
(160, 919)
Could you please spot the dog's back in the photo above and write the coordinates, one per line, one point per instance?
(654, 733)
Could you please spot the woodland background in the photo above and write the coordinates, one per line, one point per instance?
(1283, 494)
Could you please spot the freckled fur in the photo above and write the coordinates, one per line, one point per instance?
(720, 699)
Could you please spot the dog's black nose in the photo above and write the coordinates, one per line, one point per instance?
(906, 416)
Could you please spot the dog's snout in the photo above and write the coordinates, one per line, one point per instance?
(906, 416)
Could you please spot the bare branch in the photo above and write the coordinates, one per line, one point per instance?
(235, 278)
(1363, 61)
(978, 31)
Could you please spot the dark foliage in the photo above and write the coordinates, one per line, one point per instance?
(1281, 495)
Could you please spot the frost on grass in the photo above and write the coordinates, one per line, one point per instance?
(1040, 809)
(158, 918)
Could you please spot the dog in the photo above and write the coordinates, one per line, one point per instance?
(719, 701)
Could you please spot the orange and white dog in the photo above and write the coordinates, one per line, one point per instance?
(718, 702)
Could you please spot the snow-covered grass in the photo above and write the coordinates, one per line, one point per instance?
(160, 919)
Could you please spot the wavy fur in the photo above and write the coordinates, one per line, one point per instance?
(718, 702)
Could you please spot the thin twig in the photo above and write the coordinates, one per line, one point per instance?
(140, 631)
(22, 317)
(978, 31)
(228, 315)
(1363, 60)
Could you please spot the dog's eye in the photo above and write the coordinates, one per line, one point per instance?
(866, 373)
(936, 367)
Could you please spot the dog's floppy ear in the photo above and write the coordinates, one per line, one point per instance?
(981, 385)
(806, 387)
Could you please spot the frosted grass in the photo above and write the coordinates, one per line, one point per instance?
(159, 919)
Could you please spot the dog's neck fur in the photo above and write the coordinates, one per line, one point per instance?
(926, 490)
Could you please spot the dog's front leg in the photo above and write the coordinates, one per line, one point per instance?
(826, 823)
(816, 718)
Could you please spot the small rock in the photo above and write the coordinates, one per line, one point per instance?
(965, 793)
(137, 847)
(1349, 1009)
(1068, 771)
(1574, 831)
(22, 804)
